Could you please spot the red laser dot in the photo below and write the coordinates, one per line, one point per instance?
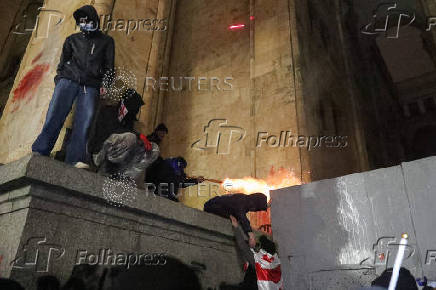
(252, 18)
(236, 26)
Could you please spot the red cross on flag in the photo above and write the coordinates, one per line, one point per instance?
(268, 271)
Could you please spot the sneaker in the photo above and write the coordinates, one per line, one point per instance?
(81, 165)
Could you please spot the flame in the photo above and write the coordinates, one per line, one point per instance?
(276, 179)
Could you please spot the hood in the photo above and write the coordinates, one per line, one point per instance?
(257, 201)
(87, 12)
(178, 164)
(133, 102)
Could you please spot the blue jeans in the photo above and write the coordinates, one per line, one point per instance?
(64, 95)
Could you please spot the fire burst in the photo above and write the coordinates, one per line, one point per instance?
(276, 179)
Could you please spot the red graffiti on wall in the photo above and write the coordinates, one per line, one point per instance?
(28, 85)
(36, 58)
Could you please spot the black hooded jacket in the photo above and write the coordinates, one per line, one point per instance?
(237, 205)
(86, 56)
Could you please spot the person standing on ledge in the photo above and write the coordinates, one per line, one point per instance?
(238, 205)
(86, 57)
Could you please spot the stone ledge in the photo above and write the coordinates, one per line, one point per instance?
(40, 170)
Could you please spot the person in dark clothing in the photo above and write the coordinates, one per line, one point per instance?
(158, 167)
(126, 153)
(238, 205)
(267, 245)
(166, 177)
(74, 284)
(406, 281)
(48, 282)
(158, 134)
(8, 284)
(86, 57)
(116, 119)
(246, 254)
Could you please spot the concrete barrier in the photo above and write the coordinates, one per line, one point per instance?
(340, 233)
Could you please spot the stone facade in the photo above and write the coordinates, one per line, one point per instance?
(297, 67)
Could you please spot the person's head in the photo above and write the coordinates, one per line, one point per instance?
(161, 130)
(405, 280)
(267, 245)
(257, 202)
(8, 284)
(158, 134)
(178, 164)
(74, 284)
(181, 162)
(47, 282)
(132, 102)
(87, 18)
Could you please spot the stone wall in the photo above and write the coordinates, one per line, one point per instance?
(258, 58)
(17, 18)
(48, 205)
(344, 231)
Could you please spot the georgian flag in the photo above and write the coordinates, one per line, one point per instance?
(122, 111)
(268, 271)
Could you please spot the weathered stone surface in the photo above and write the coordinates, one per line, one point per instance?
(341, 226)
(47, 200)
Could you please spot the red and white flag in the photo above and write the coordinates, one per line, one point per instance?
(122, 111)
(268, 271)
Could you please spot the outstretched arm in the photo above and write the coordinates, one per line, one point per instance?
(189, 181)
(245, 251)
